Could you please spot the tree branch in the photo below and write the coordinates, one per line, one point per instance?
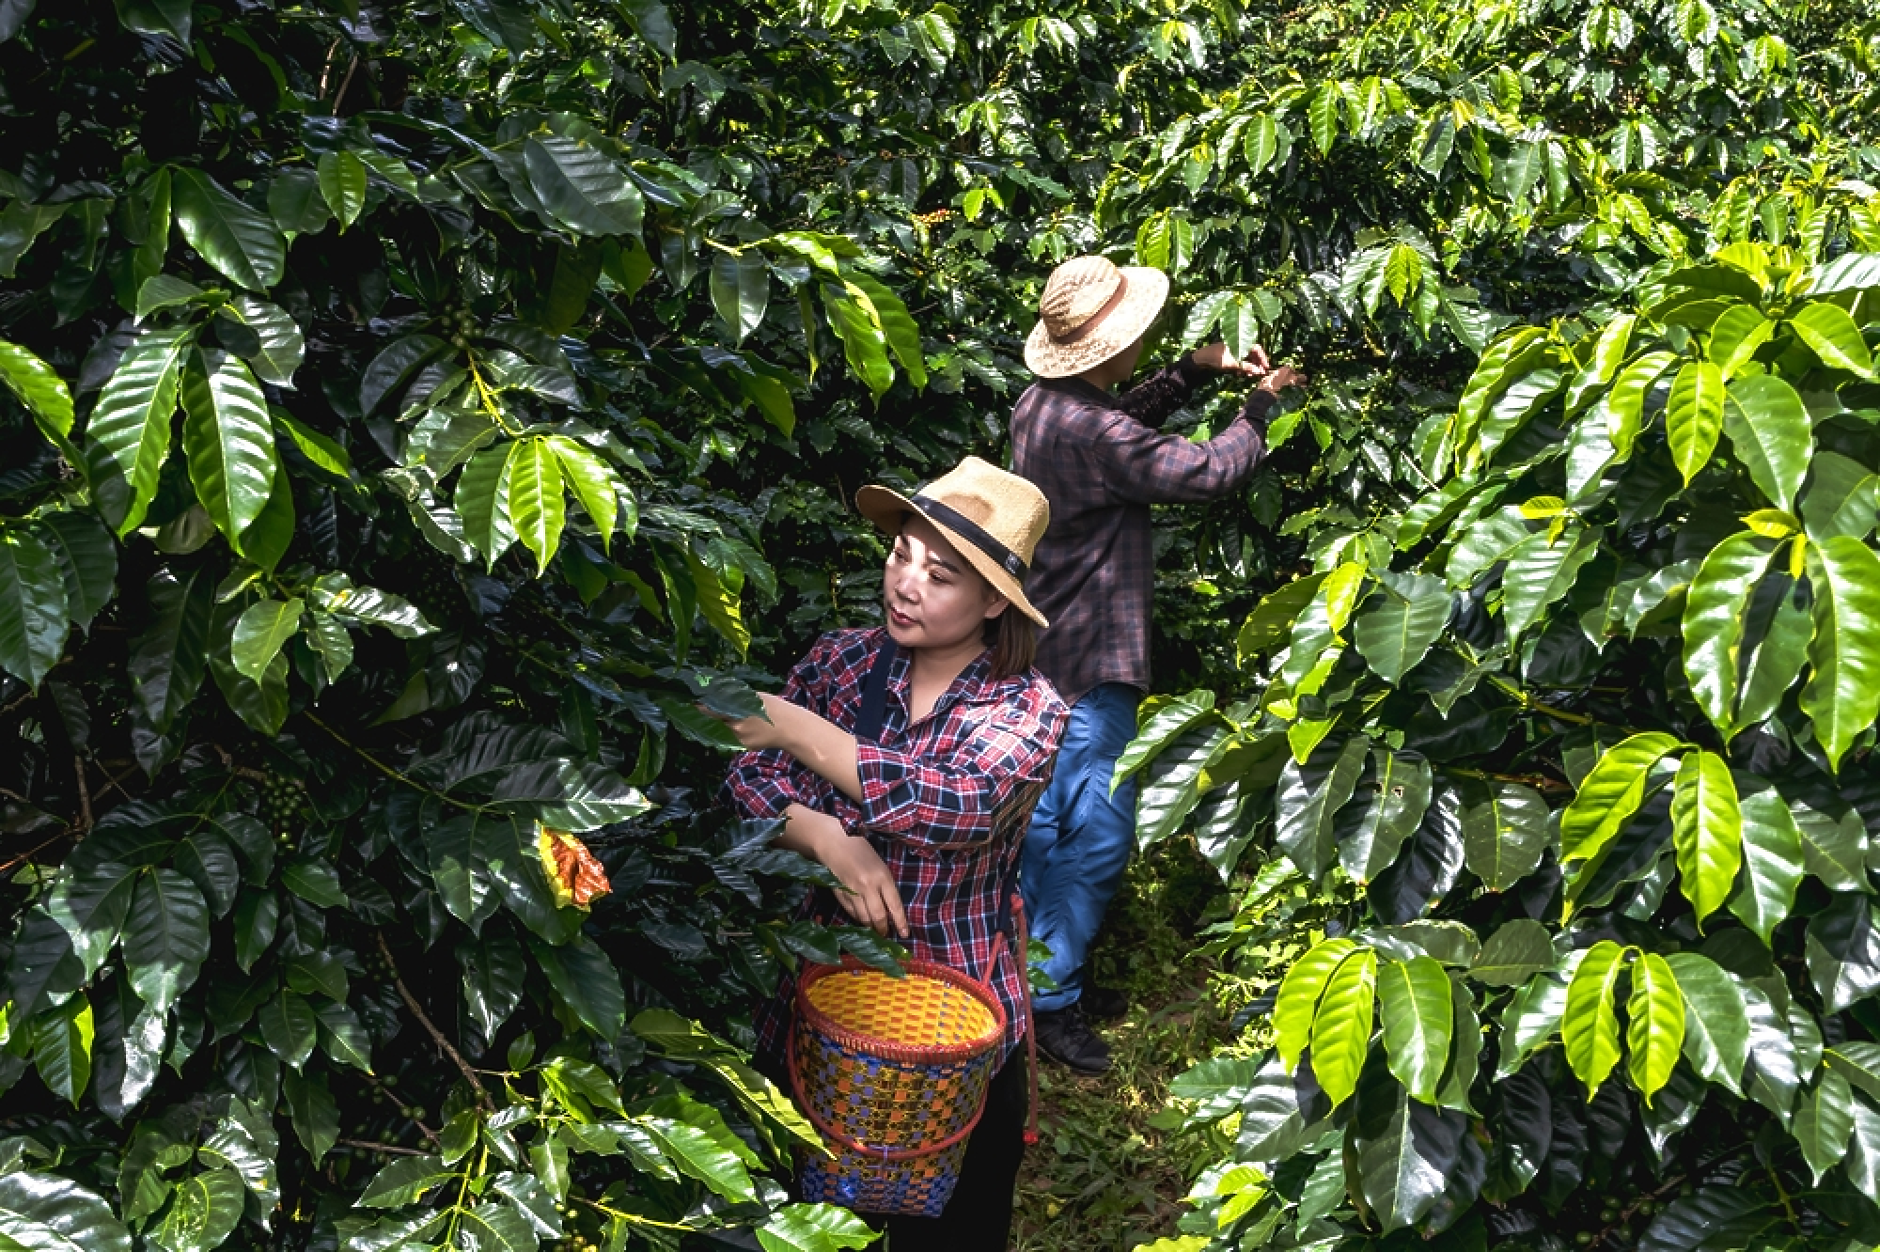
(437, 1036)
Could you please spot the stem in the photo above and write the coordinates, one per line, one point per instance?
(632, 1218)
(437, 1036)
(387, 770)
(389, 1149)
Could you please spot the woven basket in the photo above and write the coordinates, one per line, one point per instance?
(893, 1072)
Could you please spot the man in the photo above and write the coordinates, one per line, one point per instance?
(1101, 463)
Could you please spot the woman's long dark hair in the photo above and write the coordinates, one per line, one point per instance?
(1013, 639)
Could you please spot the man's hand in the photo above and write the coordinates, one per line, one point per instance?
(1216, 357)
(1280, 379)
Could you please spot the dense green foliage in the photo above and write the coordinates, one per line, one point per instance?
(1582, 736)
(411, 411)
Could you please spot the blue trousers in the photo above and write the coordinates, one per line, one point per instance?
(1080, 838)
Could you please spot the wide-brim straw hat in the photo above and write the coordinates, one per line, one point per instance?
(1091, 310)
(991, 517)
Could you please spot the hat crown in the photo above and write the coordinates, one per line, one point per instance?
(1009, 508)
(1076, 292)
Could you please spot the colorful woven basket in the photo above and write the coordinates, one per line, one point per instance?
(893, 1072)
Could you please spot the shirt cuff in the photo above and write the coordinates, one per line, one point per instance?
(889, 798)
(1258, 405)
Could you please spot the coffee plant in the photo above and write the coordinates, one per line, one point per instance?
(1575, 741)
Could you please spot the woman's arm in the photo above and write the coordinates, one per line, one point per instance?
(869, 893)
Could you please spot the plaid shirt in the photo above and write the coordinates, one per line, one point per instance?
(945, 801)
(1101, 464)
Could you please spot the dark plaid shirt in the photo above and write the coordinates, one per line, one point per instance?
(945, 801)
(1101, 464)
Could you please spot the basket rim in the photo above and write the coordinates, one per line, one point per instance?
(887, 1049)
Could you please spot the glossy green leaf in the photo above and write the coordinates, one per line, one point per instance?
(342, 178)
(1504, 832)
(1539, 574)
(1515, 952)
(482, 503)
(740, 290)
(1842, 949)
(1716, 1030)
(1610, 794)
(1824, 1121)
(1694, 416)
(1833, 336)
(864, 342)
(289, 1027)
(238, 241)
(1771, 435)
(1589, 1027)
(1843, 692)
(1655, 1026)
(229, 440)
(1736, 337)
(166, 936)
(1625, 405)
(1414, 999)
(1297, 1001)
(1707, 830)
(582, 187)
(594, 485)
(88, 561)
(62, 1048)
(1407, 1165)
(45, 1211)
(37, 386)
(1341, 1029)
(405, 1181)
(281, 346)
(1271, 621)
(816, 1227)
(1715, 613)
(261, 632)
(897, 324)
(1386, 811)
(33, 609)
(1168, 720)
(1397, 630)
(1309, 797)
(1772, 863)
(312, 1111)
(132, 419)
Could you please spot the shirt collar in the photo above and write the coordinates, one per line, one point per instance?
(972, 683)
(1087, 392)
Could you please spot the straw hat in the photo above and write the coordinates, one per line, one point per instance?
(994, 520)
(1090, 311)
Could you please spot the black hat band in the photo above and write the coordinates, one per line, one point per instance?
(975, 534)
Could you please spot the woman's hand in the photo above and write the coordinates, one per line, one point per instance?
(756, 733)
(1216, 357)
(870, 896)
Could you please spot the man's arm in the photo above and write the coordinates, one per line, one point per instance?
(1144, 466)
(1161, 393)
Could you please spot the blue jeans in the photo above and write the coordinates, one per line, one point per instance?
(1080, 838)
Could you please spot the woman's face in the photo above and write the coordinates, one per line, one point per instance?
(933, 598)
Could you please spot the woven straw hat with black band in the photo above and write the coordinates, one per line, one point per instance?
(1091, 310)
(992, 518)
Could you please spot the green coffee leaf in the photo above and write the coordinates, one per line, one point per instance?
(1707, 829)
(1415, 1000)
(1655, 1030)
(1589, 1028)
(1843, 693)
(1341, 1029)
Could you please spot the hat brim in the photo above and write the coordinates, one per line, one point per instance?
(887, 509)
(1146, 291)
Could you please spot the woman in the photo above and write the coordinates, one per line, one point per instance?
(921, 822)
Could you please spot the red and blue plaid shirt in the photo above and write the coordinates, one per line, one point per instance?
(945, 801)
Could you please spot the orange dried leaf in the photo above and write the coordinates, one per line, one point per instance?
(575, 873)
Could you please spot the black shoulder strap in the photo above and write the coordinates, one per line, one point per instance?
(875, 693)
